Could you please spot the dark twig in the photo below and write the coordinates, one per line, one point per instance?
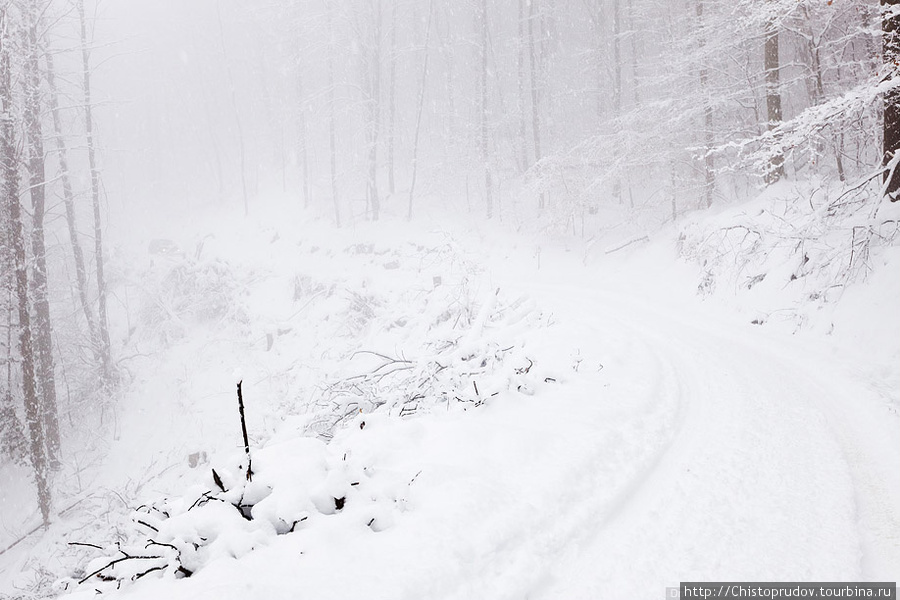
(147, 525)
(137, 576)
(163, 545)
(116, 561)
(244, 430)
(217, 480)
(85, 545)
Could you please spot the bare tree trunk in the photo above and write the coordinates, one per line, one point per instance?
(234, 108)
(535, 93)
(485, 152)
(773, 97)
(16, 235)
(43, 333)
(708, 166)
(816, 88)
(520, 80)
(617, 84)
(594, 11)
(373, 107)
(69, 202)
(635, 88)
(304, 154)
(332, 118)
(102, 321)
(392, 99)
(415, 160)
(890, 26)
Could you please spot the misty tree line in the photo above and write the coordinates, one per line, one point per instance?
(552, 110)
(40, 131)
(571, 106)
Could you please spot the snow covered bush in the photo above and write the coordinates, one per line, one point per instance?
(458, 351)
(181, 292)
(796, 246)
(297, 484)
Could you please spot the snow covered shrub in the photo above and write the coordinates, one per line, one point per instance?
(297, 484)
(464, 354)
(187, 292)
(12, 434)
(794, 246)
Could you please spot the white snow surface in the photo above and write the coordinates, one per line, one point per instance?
(657, 437)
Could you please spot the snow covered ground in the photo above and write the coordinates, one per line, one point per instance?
(452, 411)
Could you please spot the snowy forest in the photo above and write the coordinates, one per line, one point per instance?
(447, 298)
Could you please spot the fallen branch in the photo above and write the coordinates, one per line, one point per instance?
(40, 526)
(116, 561)
(644, 238)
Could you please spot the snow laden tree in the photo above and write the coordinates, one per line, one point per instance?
(890, 23)
(30, 108)
(582, 107)
(773, 92)
(37, 189)
(103, 320)
(485, 111)
(12, 27)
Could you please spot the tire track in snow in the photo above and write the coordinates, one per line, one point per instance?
(753, 486)
(626, 446)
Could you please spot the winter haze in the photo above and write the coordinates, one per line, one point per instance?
(439, 299)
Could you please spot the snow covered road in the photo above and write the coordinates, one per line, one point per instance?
(690, 446)
(780, 466)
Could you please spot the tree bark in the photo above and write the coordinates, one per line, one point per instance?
(102, 320)
(617, 83)
(43, 331)
(16, 235)
(392, 99)
(239, 125)
(304, 153)
(415, 160)
(332, 118)
(535, 92)
(71, 221)
(373, 106)
(520, 80)
(708, 166)
(485, 152)
(890, 27)
(773, 97)
(635, 88)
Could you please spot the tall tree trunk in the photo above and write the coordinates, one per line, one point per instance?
(890, 26)
(535, 92)
(234, 107)
(69, 202)
(43, 332)
(392, 99)
(520, 81)
(374, 110)
(415, 160)
(708, 166)
(594, 11)
(773, 97)
(617, 83)
(304, 153)
(332, 118)
(816, 89)
(102, 320)
(485, 152)
(16, 235)
(632, 23)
